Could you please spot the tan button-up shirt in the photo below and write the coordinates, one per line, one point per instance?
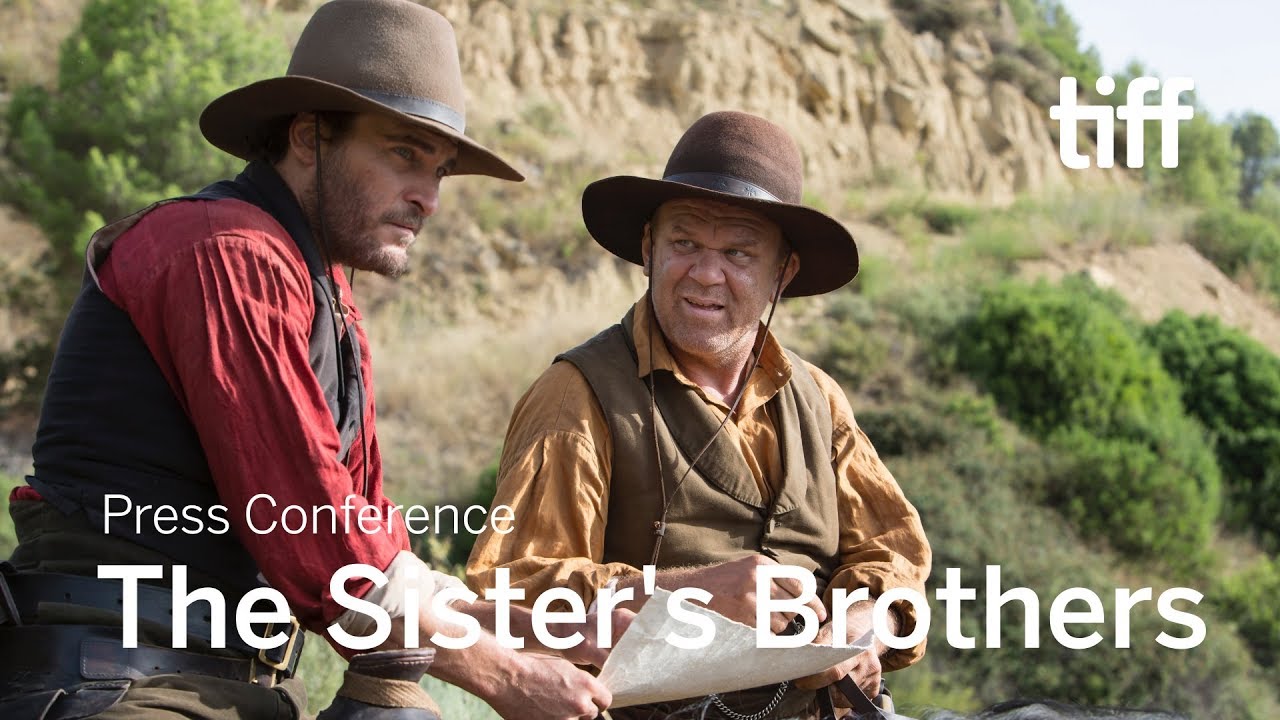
(556, 462)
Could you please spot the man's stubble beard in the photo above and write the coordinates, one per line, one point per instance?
(345, 210)
(724, 345)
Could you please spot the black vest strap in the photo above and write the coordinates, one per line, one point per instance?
(336, 364)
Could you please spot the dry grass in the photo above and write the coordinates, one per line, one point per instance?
(1098, 220)
(446, 388)
(21, 244)
(31, 32)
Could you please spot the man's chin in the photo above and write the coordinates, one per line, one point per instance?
(697, 344)
(389, 264)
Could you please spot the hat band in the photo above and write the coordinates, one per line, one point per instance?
(421, 107)
(724, 184)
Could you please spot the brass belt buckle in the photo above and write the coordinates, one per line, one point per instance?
(281, 663)
(255, 679)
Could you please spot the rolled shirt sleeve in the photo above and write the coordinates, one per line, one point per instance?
(554, 465)
(882, 543)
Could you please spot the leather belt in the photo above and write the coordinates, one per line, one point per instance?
(22, 594)
(29, 590)
(36, 657)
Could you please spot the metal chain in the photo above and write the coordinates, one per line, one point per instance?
(735, 715)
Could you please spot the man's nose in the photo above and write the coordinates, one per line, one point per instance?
(425, 195)
(707, 268)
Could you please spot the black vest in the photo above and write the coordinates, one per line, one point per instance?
(111, 424)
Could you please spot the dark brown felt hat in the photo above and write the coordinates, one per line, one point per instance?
(736, 158)
(381, 56)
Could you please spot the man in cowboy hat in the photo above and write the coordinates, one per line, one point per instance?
(686, 437)
(212, 374)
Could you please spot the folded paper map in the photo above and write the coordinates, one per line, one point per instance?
(644, 667)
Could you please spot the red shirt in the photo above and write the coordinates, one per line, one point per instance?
(221, 296)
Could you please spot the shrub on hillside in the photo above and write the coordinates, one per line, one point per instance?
(1240, 243)
(121, 129)
(1057, 356)
(1147, 498)
(1208, 163)
(1047, 31)
(939, 17)
(930, 422)
(1065, 364)
(973, 505)
(847, 344)
(1232, 385)
(940, 217)
(1249, 600)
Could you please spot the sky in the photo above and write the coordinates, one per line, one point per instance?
(1231, 48)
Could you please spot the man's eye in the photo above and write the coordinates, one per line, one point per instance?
(682, 242)
(735, 253)
(442, 172)
(404, 152)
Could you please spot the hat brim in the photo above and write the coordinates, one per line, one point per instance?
(236, 121)
(615, 210)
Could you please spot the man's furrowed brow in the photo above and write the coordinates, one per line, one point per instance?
(428, 145)
(422, 144)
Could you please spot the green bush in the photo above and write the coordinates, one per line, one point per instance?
(1232, 385)
(973, 505)
(1239, 243)
(939, 17)
(1249, 600)
(1045, 27)
(1058, 356)
(1259, 144)
(948, 218)
(940, 217)
(120, 130)
(931, 422)
(850, 349)
(1208, 163)
(1145, 500)
(1065, 364)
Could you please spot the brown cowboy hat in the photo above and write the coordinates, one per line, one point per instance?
(735, 158)
(381, 56)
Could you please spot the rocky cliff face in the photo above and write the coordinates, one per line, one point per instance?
(870, 100)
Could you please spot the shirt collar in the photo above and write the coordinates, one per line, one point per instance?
(772, 373)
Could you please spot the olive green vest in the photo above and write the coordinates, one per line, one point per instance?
(718, 514)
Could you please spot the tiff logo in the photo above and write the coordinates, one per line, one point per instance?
(1134, 112)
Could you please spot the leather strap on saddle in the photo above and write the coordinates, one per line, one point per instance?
(863, 708)
(384, 686)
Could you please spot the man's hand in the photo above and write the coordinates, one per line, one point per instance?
(865, 666)
(547, 688)
(516, 684)
(589, 652)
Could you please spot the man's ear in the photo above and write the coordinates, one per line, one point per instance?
(793, 267)
(646, 248)
(303, 135)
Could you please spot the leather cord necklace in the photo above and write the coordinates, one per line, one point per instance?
(660, 525)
